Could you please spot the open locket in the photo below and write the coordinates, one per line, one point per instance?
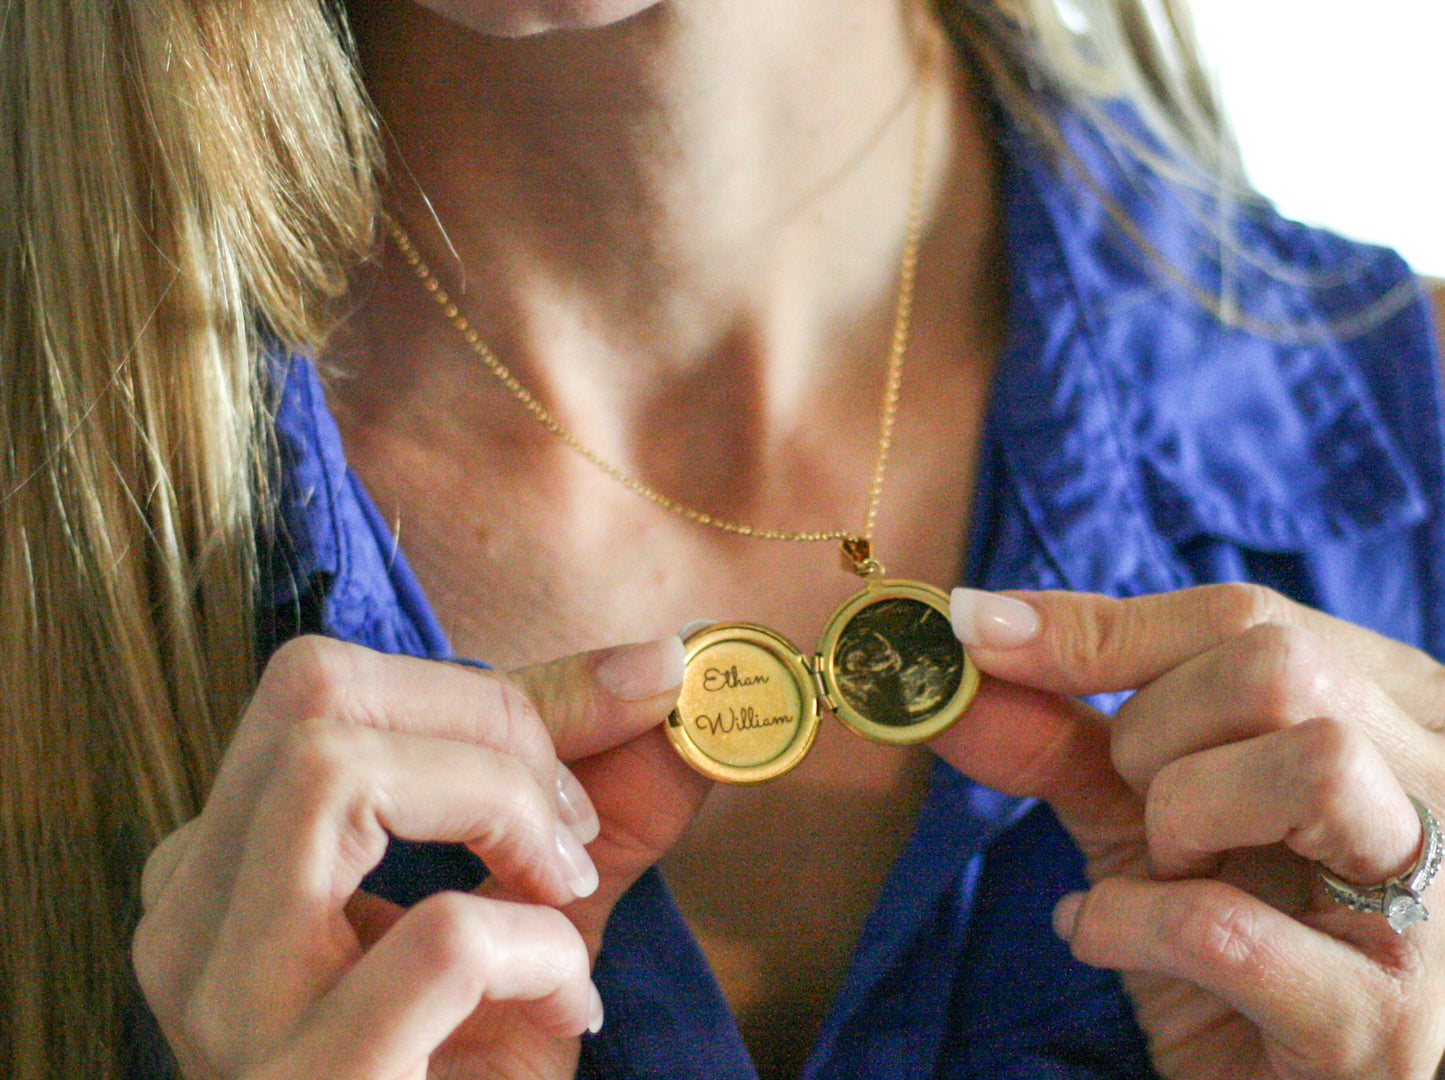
(888, 665)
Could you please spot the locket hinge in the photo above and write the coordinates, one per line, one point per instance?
(815, 668)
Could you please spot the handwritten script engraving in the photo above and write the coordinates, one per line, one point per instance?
(714, 679)
(744, 719)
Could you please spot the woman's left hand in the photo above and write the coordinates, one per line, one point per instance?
(1263, 742)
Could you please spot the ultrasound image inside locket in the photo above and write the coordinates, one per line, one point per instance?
(888, 665)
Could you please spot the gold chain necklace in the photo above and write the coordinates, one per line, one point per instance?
(856, 546)
(898, 345)
(888, 664)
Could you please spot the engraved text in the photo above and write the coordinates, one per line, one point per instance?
(744, 719)
(714, 679)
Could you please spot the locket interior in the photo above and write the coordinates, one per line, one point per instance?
(888, 665)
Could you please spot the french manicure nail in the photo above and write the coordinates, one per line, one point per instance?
(1066, 914)
(574, 807)
(693, 627)
(990, 620)
(578, 870)
(594, 1021)
(639, 672)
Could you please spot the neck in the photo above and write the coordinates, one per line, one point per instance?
(683, 160)
(681, 198)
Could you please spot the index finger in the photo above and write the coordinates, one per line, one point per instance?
(594, 701)
(585, 703)
(1028, 742)
(1083, 643)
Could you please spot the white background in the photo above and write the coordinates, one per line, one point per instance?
(1340, 110)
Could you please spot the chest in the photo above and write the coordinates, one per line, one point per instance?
(525, 565)
(525, 556)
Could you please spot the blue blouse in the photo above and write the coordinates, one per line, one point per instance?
(1135, 442)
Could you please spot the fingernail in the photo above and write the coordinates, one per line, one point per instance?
(990, 620)
(574, 807)
(1066, 914)
(578, 870)
(639, 672)
(594, 1022)
(693, 627)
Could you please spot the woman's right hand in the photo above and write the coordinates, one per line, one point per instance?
(259, 956)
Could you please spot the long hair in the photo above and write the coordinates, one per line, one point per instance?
(183, 184)
(181, 181)
(1039, 54)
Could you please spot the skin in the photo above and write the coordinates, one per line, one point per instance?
(342, 746)
(1263, 738)
(682, 232)
(507, 19)
(772, 349)
(1436, 288)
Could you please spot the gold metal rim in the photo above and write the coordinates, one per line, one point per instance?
(787, 654)
(873, 593)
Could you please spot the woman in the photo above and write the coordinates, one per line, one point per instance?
(685, 234)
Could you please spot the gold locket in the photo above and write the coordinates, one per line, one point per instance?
(888, 665)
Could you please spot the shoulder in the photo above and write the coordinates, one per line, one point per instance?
(1220, 322)
(1265, 387)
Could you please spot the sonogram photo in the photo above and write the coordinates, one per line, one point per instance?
(898, 662)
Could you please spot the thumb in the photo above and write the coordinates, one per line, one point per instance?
(1033, 743)
(604, 710)
(594, 701)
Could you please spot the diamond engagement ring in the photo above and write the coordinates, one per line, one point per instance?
(1398, 898)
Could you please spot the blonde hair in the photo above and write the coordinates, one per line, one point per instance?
(180, 181)
(1041, 54)
(184, 183)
